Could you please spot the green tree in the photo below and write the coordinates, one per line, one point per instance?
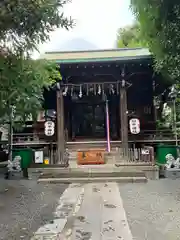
(159, 24)
(22, 82)
(24, 24)
(130, 36)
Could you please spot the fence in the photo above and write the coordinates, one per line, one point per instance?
(28, 137)
(136, 156)
(145, 135)
(51, 153)
(133, 157)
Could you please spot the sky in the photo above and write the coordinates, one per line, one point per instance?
(97, 22)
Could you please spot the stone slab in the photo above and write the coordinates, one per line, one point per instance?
(101, 215)
(52, 229)
(88, 211)
(67, 205)
(114, 221)
(88, 220)
(90, 180)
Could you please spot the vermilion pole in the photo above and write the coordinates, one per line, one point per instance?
(108, 127)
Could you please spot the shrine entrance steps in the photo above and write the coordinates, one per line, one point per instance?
(99, 173)
(87, 174)
(96, 144)
(111, 171)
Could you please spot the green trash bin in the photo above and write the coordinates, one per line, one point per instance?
(26, 155)
(163, 150)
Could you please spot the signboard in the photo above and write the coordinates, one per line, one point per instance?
(49, 128)
(38, 157)
(134, 125)
(145, 152)
(91, 157)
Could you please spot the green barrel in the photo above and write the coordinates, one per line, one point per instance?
(26, 155)
(163, 150)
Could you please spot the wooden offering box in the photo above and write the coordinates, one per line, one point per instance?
(91, 156)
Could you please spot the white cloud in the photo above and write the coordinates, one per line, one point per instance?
(97, 21)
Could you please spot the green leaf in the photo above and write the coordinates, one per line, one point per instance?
(130, 36)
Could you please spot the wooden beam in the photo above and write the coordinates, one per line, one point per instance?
(60, 127)
(124, 120)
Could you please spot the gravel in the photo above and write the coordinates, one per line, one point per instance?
(25, 206)
(153, 209)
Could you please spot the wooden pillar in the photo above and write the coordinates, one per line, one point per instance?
(60, 127)
(124, 120)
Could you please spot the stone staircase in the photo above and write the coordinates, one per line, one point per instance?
(92, 173)
(86, 175)
(84, 145)
(109, 172)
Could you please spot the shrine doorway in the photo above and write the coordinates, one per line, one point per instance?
(88, 120)
(88, 116)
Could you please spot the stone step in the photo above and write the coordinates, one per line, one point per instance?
(96, 179)
(91, 174)
(91, 145)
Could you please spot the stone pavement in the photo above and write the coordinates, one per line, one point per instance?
(88, 212)
(25, 206)
(153, 209)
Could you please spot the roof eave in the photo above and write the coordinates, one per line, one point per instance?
(102, 60)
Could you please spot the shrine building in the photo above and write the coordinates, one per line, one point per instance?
(101, 91)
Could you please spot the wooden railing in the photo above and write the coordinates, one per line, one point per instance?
(28, 137)
(150, 136)
(153, 134)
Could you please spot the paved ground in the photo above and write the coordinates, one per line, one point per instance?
(91, 211)
(101, 215)
(153, 209)
(25, 206)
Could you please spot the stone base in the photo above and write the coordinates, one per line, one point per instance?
(151, 173)
(172, 173)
